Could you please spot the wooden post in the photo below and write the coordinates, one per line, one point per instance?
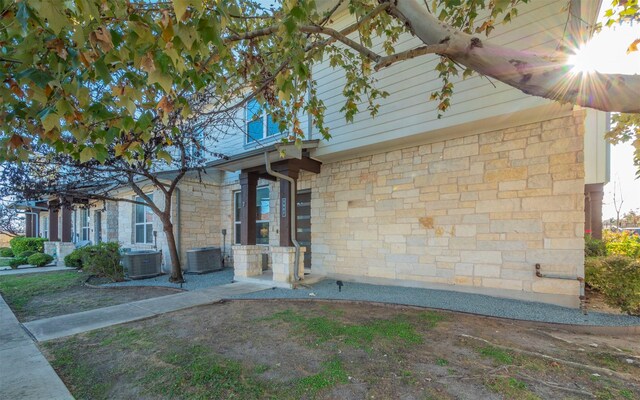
(66, 224)
(53, 221)
(248, 187)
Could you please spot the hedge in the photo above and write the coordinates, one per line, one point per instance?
(40, 259)
(21, 244)
(6, 252)
(618, 279)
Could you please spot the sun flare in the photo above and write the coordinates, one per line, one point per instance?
(606, 52)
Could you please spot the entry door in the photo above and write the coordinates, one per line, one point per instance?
(303, 216)
(98, 227)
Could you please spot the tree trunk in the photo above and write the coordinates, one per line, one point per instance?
(176, 269)
(547, 76)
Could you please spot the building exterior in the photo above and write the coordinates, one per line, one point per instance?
(472, 201)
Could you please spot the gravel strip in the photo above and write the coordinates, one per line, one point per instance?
(193, 282)
(448, 300)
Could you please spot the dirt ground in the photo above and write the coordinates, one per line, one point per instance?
(295, 349)
(44, 295)
(83, 298)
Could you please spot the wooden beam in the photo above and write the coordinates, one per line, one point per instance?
(305, 163)
(248, 187)
(66, 224)
(53, 221)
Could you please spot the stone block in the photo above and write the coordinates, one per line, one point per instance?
(464, 150)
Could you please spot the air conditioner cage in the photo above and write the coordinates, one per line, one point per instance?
(142, 264)
(204, 259)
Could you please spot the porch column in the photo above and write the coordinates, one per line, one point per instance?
(286, 207)
(593, 194)
(66, 224)
(53, 221)
(248, 187)
(28, 225)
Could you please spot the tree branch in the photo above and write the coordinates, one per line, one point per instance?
(408, 54)
(542, 75)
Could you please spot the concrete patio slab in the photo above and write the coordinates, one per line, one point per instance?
(71, 324)
(24, 372)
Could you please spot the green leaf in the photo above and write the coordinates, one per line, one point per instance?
(164, 155)
(87, 154)
(180, 7)
(164, 80)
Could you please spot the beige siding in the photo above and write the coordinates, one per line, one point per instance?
(407, 111)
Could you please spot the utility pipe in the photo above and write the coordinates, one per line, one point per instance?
(292, 209)
(178, 222)
(580, 279)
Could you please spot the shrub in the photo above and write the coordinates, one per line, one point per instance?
(594, 247)
(21, 244)
(40, 259)
(27, 254)
(103, 260)
(18, 261)
(622, 243)
(618, 279)
(74, 259)
(6, 252)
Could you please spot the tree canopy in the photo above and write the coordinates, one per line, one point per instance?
(79, 74)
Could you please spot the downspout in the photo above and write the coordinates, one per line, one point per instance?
(292, 209)
(583, 305)
(178, 227)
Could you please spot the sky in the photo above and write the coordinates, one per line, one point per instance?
(607, 53)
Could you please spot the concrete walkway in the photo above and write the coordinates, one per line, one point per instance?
(31, 270)
(24, 372)
(66, 325)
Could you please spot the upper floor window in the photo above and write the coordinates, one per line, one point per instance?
(144, 222)
(260, 124)
(195, 149)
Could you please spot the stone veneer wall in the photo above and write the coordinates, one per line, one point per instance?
(477, 212)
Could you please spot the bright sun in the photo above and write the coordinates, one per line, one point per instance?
(606, 52)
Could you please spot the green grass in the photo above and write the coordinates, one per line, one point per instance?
(127, 338)
(17, 290)
(442, 362)
(86, 384)
(511, 388)
(497, 355)
(197, 374)
(358, 335)
(332, 375)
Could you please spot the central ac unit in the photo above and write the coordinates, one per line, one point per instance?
(204, 259)
(139, 264)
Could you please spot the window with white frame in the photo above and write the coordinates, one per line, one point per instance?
(84, 224)
(237, 207)
(44, 230)
(262, 215)
(260, 124)
(144, 222)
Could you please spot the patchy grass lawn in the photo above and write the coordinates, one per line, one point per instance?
(42, 295)
(294, 350)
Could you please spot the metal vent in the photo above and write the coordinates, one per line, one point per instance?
(204, 259)
(142, 264)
